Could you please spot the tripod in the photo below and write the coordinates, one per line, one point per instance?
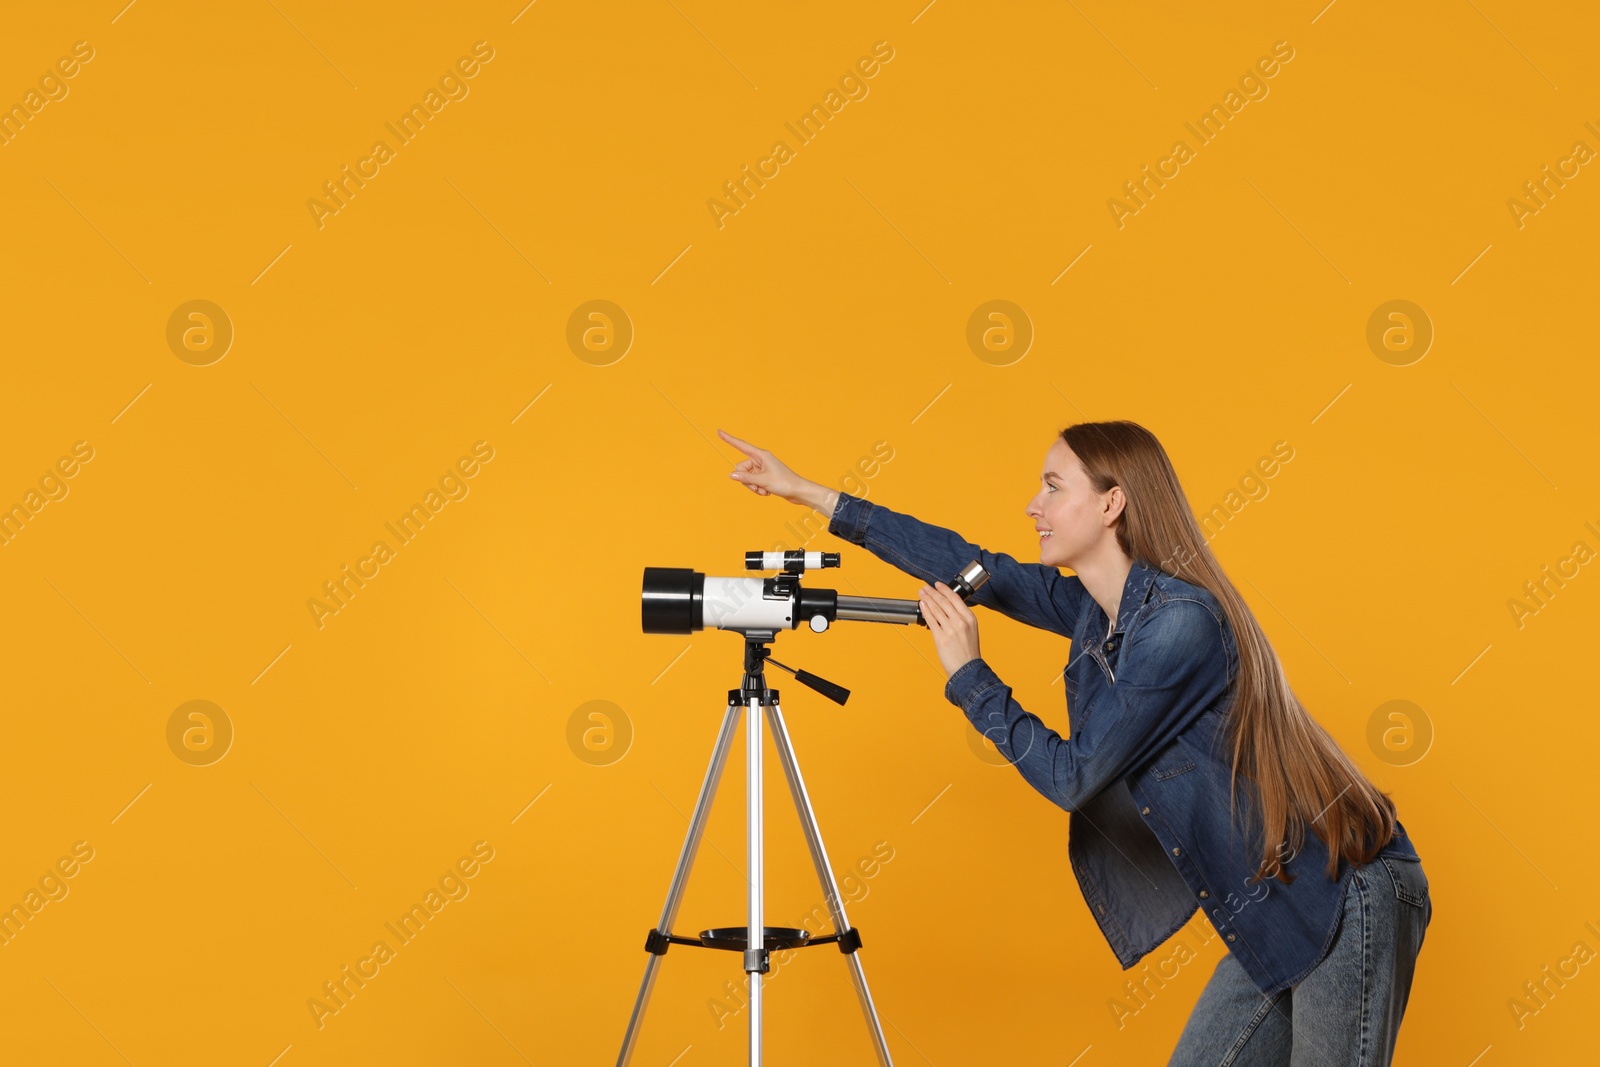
(755, 939)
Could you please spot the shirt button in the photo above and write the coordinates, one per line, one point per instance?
(1144, 811)
(1230, 937)
(1176, 852)
(1204, 894)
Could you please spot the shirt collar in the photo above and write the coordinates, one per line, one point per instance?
(1135, 591)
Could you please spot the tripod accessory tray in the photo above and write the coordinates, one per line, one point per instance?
(736, 939)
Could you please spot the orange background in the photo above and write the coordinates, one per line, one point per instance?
(431, 312)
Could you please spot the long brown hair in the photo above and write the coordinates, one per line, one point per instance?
(1299, 773)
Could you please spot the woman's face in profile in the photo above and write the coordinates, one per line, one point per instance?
(1066, 510)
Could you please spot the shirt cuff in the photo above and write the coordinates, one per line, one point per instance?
(850, 517)
(970, 679)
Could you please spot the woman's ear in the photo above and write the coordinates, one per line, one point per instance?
(1113, 504)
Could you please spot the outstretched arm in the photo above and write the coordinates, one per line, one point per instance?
(1027, 592)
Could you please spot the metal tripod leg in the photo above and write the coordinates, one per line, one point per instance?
(819, 858)
(691, 845)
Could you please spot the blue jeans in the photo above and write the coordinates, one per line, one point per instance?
(1346, 1012)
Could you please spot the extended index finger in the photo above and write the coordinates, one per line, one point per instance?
(744, 446)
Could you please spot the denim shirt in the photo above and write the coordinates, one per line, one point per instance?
(1145, 773)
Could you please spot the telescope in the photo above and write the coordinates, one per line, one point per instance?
(678, 600)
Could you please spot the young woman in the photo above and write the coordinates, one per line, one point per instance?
(1192, 773)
